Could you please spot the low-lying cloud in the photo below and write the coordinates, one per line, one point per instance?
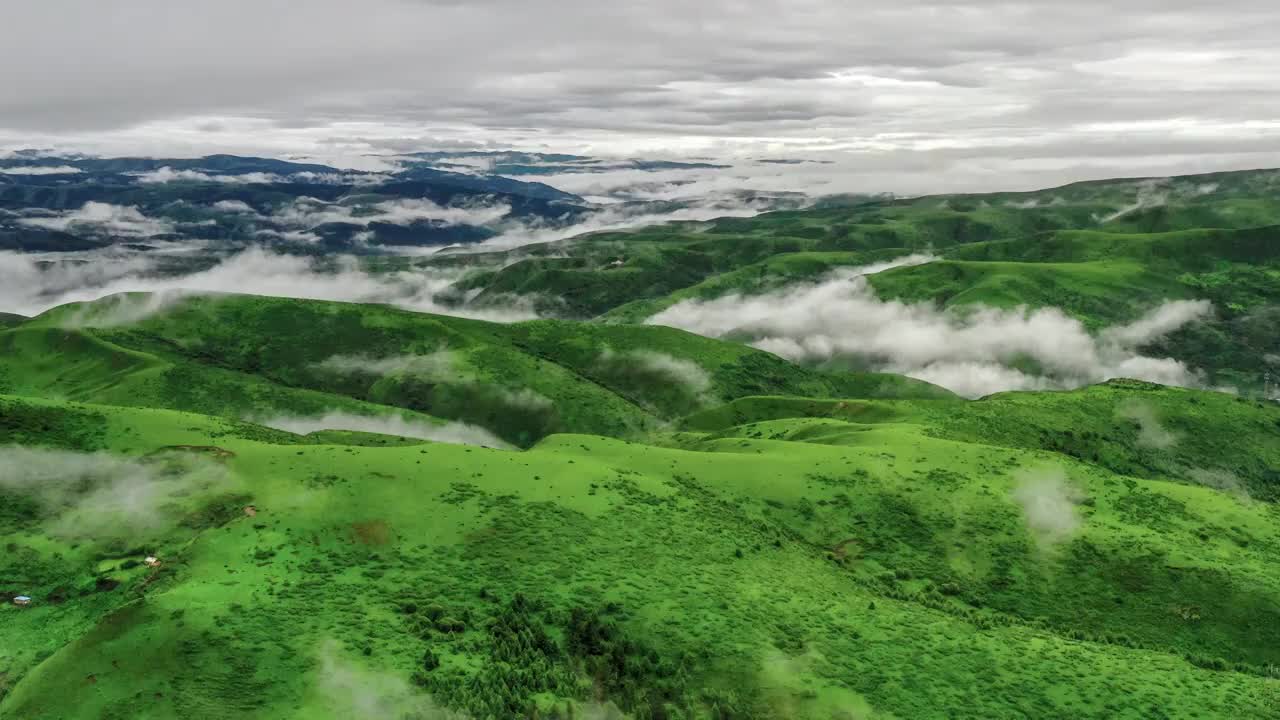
(438, 364)
(1218, 479)
(1149, 196)
(444, 367)
(31, 284)
(972, 351)
(629, 183)
(347, 689)
(167, 174)
(454, 433)
(104, 496)
(311, 213)
(1151, 433)
(513, 234)
(119, 310)
(651, 367)
(40, 170)
(1048, 503)
(102, 218)
(235, 206)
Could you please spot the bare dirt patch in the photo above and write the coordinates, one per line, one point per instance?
(211, 450)
(372, 532)
(841, 549)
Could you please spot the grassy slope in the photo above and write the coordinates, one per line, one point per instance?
(853, 552)
(1107, 278)
(769, 274)
(1092, 425)
(1105, 252)
(1101, 277)
(730, 254)
(241, 355)
(77, 365)
(1099, 293)
(888, 575)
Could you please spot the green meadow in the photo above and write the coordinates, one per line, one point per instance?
(769, 557)
(227, 506)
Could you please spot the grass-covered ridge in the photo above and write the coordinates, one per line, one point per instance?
(1104, 253)
(361, 511)
(761, 562)
(242, 356)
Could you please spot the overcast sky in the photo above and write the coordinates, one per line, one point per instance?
(899, 94)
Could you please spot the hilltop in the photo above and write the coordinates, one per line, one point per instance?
(241, 356)
(359, 510)
(1103, 253)
(769, 555)
(789, 561)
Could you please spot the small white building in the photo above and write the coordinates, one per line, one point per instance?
(152, 561)
(22, 601)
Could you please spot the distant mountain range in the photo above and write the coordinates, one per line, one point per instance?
(54, 202)
(77, 203)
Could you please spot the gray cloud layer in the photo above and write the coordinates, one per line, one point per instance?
(992, 93)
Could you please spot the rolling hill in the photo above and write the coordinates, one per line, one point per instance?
(240, 356)
(225, 505)
(815, 558)
(1104, 253)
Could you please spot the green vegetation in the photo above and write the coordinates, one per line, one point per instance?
(1103, 252)
(663, 526)
(247, 357)
(773, 556)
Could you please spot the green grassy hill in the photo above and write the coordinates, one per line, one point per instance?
(1101, 277)
(1108, 278)
(578, 276)
(361, 511)
(1110, 425)
(771, 567)
(1103, 252)
(241, 356)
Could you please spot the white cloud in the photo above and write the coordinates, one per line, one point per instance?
(1151, 433)
(236, 206)
(1223, 480)
(40, 170)
(969, 350)
(1163, 320)
(443, 366)
(30, 284)
(310, 213)
(124, 309)
(167, 174)
(661, 367)
(451, 432)
(347, 689)
(288, 235)
(99, 495)
(1048, 503)
(1149, 196)
(103, 218)
(612, 218)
